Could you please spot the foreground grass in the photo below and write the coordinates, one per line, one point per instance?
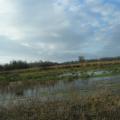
(103, 106)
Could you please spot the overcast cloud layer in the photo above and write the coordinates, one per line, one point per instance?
(58, 30)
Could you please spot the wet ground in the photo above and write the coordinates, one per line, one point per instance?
(60, 90)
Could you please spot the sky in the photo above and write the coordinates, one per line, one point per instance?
(58, 30)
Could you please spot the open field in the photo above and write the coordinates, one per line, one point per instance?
(52, 74)
(71, 92)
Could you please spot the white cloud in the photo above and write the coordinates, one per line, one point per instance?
(8, 22)
(58, 25)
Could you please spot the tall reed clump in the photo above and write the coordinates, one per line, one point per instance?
(96, 107)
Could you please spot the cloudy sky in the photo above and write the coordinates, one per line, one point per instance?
(58, 30)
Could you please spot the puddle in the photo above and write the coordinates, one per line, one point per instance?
(60, 90)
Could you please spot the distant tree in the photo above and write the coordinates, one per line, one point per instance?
(81, 59)
(42, 64)
(1, 67)
(16, 65)
(19, 64)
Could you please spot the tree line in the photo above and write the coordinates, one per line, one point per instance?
(13, 65)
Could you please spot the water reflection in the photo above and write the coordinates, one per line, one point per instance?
(60, 90)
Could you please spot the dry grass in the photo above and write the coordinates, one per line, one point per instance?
(103, 106)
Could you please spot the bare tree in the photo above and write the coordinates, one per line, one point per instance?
(81, 59)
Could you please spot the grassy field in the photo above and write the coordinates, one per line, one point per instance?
(103, 105)
(53, 74)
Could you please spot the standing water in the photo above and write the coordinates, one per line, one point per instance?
(60, 90)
